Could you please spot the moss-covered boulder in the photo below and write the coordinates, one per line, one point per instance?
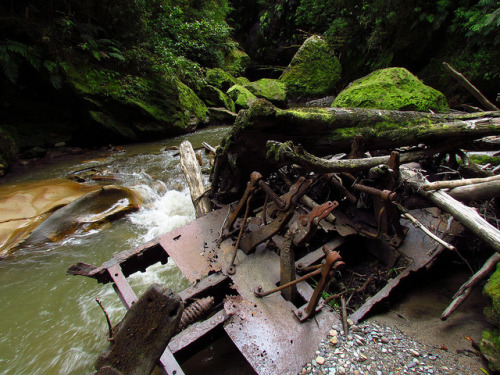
(214, 97)
(137, 108)
(242, 81)
(314, 70)
(221, 116)
(270, 89)
(241, 96)
(236, 62)
(220, 79)
(393, 89)
(490, 341)
(7, 151)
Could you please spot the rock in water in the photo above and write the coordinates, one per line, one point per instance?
(109, 202)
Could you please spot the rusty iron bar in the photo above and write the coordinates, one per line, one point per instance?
(271, 194)
(333, 262)
(386, 195)
(300, 269)
(332, 178)
(231, 270)
(195, 311)
(260, 293)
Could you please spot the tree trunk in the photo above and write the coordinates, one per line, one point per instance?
(327, 131)
(191, 168)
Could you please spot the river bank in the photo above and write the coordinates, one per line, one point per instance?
(406, 334)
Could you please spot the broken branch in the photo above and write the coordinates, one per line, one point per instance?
(466, 289)
(456, 183)
(470, 87)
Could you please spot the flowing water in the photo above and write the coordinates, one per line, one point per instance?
(50, 322)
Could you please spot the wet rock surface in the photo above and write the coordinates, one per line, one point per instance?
(374, 348)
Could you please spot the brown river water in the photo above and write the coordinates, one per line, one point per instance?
(49, 321)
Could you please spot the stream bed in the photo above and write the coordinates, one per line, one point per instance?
(50, 323)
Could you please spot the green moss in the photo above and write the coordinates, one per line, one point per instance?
(242, 81)
(313, 71)
(490, 348)
(220, 79)
(192, 105)
(241, 96)
(136, 107)
(236, 62)
(214, 97)
(492, 290)
(270, 89)
(393, 89)
(485, 159)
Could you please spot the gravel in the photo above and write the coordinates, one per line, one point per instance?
(372, 348)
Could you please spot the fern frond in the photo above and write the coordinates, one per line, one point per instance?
(117, 56)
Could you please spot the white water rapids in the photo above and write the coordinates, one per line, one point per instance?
(49, 321)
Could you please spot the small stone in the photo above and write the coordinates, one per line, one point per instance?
(314, 362)
(362, 357)
(350, 322)
(334, 340)
(320, 360)
(333, 332)
(432, 357)
(414, 353)
(413, 363)
(384, 350)
(357, 372)
(384, 340)
(341, 370)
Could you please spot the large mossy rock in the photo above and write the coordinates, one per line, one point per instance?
(314, 70)
(241, 96)
(394, 89)
(270, 89)
(7, 151)
(236, 62)
(137, 108)
(214, 97)
(220, 79)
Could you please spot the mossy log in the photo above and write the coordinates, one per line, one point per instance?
(327, 131)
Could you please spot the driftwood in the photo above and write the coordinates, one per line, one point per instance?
(326, 131)
(191, 168)
(468, 216)
(476, 192)
(470, 87)
(466, 289)
(456, 183)
(142, 336)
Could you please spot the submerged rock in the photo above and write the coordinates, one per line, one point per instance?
(107, 203)
(394, 89)
(314, 70)
(25, 206)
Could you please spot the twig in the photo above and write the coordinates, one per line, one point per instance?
(344, 316)
(456, 183)
(110, 327)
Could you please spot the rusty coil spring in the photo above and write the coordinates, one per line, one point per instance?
(195, 311)
(271, 194)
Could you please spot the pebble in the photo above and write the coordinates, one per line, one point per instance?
(359, 353)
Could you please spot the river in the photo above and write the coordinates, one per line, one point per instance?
(50, 322)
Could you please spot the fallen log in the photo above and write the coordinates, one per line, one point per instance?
(191, 168)
(476, 192)
(327, 131)
(466, 289)
(468, 216)
(142, 336)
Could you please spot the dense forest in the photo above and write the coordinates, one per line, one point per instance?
(130, 70)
